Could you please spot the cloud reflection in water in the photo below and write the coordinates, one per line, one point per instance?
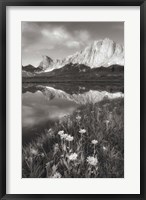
(36, 109)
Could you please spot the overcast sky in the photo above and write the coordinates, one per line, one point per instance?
(60, 39)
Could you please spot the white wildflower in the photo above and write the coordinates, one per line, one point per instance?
(34, 151)
(82, 131)
(104, 148)
(61, 132)
(64, 136)
(94, 142)
(92, 160)
(69, 138)
(42, 154)
(78, 118)
(57, 175)
(73, 156)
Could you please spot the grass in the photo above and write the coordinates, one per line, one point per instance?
(88, 144)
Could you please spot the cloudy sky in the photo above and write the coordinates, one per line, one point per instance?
(60, 39)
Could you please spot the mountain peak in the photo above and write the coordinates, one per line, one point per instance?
(45, 63)
(99, 53)
(45, 57)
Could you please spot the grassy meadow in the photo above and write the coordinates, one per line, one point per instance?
(87, 144)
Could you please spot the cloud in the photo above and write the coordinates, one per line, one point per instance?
(82, 35)
(58, 34)
(36, 37)
(73, 44)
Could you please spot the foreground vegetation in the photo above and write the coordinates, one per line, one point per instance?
(88, 144)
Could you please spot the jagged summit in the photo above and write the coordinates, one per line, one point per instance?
(99, 53)
(46, 62)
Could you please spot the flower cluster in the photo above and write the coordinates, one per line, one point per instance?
(92, 160)
(69, 138)
(65, 136)
(61, 132)
(72, 156)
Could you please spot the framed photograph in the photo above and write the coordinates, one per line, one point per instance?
(72, 99)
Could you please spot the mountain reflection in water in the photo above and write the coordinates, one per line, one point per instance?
(43, 105)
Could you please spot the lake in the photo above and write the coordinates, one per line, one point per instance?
(45, 104)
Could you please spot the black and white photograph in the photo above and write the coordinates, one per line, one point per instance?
(72, 99)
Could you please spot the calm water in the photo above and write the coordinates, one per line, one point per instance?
(43, 105)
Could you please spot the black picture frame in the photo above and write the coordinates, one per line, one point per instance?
(3, 126)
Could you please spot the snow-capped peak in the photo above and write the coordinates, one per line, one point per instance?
(100, 53)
